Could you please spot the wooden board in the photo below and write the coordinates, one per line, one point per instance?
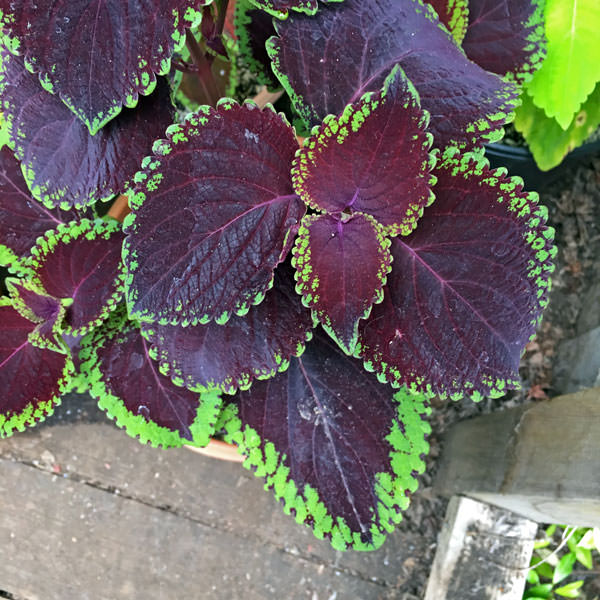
(482, 554)
(540, 461)
(88, 512)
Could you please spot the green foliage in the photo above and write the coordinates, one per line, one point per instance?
(572, 66)
(548, 141)
(552, 565)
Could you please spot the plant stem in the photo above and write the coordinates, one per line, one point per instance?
(204, 65)
(222, 13)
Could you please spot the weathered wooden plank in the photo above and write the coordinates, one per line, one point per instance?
(481, 554)
(218, 495)
(66, 540)
(540, 461)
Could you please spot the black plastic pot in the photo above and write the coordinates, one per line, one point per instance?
(519, 161)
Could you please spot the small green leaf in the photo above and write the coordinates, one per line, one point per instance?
(539, 591)
(545, 570)
(584, 556)
(551, 530)
(571, 590)
(532, 577)
(541, 544)
(587, 541)
(564, 567)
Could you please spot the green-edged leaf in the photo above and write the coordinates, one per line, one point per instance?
(281, 8)
(571, 590)
(81, 261)
(330, 60)
(32, 379)
(39, 308)
(467, 287)
(253, 28)
(571, 69)
(454, 14)
(548, 141)
(506, 37)
(229, 356)
(130, 388)
(62, 163)
(99, 55)
(214, 212)
(341, 267)
(22, 219)
(373, 159)
(336, 446)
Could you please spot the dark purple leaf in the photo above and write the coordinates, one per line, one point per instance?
(22, 219)
(330, 60)
(229, 356)
(31, 379)
(81, 261)
(454, 14)
(341, 450)
(39, 308)
(253, 27)
(129, 387)
(99, 56)
(62, 163)
(467, 287)
(506, 36)
(372, 159)
(342, 265)
(214, 212)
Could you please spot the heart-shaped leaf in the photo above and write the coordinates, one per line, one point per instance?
(467, 287)
(572, 67)
(22, 219)
(81, 261)
(454, 14)
(214, 212)
(338, 448)
(506, 36)
(330, 60)
(342, 265)
(129, 387)
(32, 379)
(99, 56)
(229, 356)
(62, 163)
(253, 28)
(372, 159)
(36, 306)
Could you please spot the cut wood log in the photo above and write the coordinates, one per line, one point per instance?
(483, 553)
(539, 461)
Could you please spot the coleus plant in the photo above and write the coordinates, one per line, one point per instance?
(302, 301)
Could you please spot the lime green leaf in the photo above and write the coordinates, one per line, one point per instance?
(564, 567)
(551, 530)
(539, 591)
(541, 544)
(572, 65)
(532, 577)
(545, 570)
(571, 590)
(587, 541)
(584, 556)
(548, 141)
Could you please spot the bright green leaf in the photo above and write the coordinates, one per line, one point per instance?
(539, 591)
(587, 541)
(572, 66)
(545, 570)
(541, 544)
(584, 556)
(564, 567)
(571, 590)
(532, 577)
(551, 530)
